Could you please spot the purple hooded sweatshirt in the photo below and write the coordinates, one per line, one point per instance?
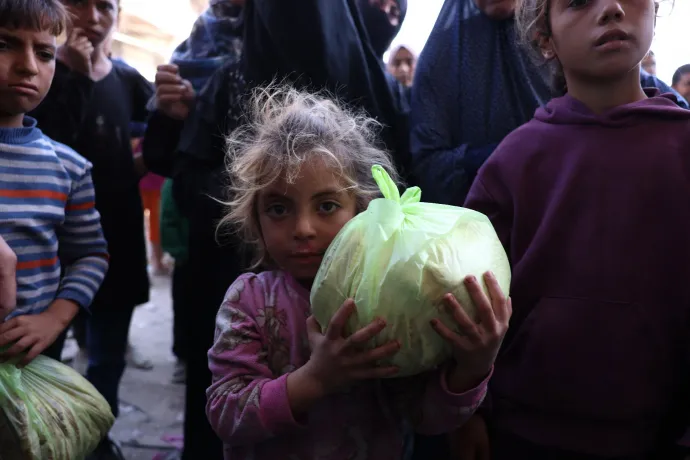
(594, 213)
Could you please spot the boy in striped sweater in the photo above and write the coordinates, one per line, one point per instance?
(47, 212)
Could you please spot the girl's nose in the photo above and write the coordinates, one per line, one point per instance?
(612, 11)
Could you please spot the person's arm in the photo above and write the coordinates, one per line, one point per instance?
(82, 247)
(247, 404)
(443, 166)
(61, 114)
(650, 81)
(160, 142)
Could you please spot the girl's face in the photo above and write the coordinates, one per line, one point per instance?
(299, 221)
(96, 18)
(402, 66)
(599, 39)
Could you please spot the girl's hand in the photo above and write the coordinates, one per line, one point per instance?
(337, 361)
(476, 347)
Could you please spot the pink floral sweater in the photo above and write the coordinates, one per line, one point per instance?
(261, 337)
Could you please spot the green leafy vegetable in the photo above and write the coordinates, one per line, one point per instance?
(49, 412)
(397, 260)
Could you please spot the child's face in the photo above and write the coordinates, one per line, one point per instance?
(299, 221)
(402, 66)
(600, 39)
(683, 86)
(27, 67)
(96, 18)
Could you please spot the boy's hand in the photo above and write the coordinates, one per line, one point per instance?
(8, 280)
(174, 96)
(79, 51)
(476, 347)
(32, 334)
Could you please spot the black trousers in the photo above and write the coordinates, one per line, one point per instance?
(182, 302)
(212, 269)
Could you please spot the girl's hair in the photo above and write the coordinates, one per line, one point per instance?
(286, 129)
(533, 22)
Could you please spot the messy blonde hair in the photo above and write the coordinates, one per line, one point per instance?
(533, 21)
(286, 129)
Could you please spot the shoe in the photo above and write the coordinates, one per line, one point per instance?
(107, 450)
(136, 360)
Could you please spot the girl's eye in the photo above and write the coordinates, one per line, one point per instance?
(329, 207)
(577, 3)
(276, 210)
(3, 45)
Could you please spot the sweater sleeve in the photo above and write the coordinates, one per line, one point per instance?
(443, 411)
(82, 246)
(246, 404)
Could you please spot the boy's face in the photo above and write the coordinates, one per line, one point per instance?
(27, 67)
(683, 86)
(96, 18)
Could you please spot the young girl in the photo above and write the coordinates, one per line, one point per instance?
(282, 387)
(591, 200)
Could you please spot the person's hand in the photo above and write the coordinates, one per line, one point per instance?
(174, 95)
(476, 346)
(8, 280)
(497, 10)
(32, 334)
(78, 52)
(337, 361)
(470, 441)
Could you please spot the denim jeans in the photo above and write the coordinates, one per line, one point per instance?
(107, 335)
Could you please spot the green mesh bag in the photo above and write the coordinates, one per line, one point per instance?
(49, 412)
(397, 260)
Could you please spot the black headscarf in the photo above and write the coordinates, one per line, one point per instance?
(378, 25)
(325, 44)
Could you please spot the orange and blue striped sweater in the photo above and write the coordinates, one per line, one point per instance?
(48, 218)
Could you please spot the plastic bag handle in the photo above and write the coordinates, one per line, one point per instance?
(389, 189)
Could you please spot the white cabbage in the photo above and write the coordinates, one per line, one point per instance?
(397, 260)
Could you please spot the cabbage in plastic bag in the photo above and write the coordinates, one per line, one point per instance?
(397, 260)
(49, 412)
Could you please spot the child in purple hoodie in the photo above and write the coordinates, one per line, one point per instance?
(591, 199)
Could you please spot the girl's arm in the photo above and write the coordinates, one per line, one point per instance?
(246, 404)
(429, 404)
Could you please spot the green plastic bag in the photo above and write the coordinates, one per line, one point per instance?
(397, 260)
(49, 412)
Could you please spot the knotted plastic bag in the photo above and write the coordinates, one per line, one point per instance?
(49, 412)
(397, 260)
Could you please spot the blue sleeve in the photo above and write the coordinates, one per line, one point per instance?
(443, 167)
(650, 81)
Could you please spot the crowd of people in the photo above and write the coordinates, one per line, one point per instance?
(254, 147)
